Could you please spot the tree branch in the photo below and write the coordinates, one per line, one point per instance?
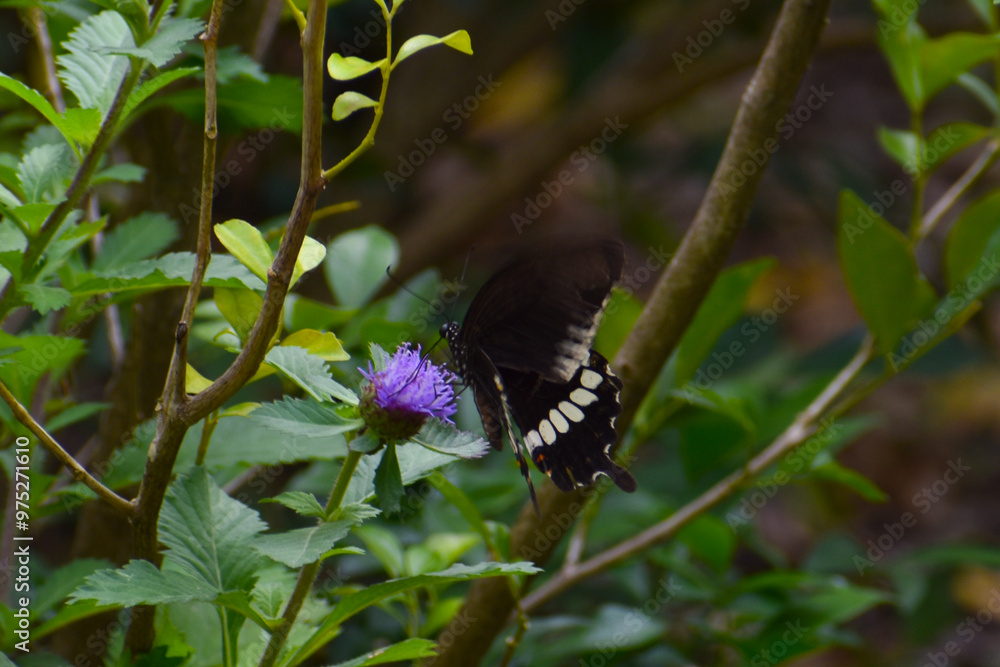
(671, 307)
(79, 472)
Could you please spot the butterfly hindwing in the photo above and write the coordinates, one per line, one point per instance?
(569, 428)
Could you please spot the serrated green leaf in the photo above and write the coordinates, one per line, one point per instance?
(356, 513)
(140, 582)
(300, 502)
(62, 582)
(309, 372)
(81, 125)
(206, 533)
(44, 299)
(406, 650)
(349, 102)
(356, 262)
(444, 438)
(35, 99)
(134, 240)
(351, 67)
(353, 603)
(458, 40)
(969, 239)
(246, 244)
(159, 49)
(299, 547)
(92, 76)
(156, 83)
(45, 171)
(170, 270)
(296, 416)
(881, 272)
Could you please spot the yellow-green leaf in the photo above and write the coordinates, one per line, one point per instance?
(247, 244)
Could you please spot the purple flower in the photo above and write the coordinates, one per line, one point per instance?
(399, 398)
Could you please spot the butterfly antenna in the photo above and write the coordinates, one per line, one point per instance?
(399, 283)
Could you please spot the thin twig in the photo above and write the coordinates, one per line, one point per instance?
(976, 170)
(79, 473)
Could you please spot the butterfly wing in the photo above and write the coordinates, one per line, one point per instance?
(569, 428)
(540, 314)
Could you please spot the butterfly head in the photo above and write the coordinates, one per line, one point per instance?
(451, 332)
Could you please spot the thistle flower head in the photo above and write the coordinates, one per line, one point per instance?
(401, 396)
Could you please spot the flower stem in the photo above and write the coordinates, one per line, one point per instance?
(308, 573)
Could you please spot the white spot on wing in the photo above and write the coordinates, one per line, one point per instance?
(582, 397)
(558, 421)
(533, 440)
(572, 412)
(591, 379)
(548, 433)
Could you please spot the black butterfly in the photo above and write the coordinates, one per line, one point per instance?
(524, 348)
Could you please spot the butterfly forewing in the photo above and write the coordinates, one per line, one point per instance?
(524, 348)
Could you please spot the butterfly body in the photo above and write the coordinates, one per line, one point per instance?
(525, 350)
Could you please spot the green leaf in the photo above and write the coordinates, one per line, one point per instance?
(35, 99)
(124, 172)
(45, 171)
(355, 602)
(80, 125)
(74, 414)
(463, 504)
(349, 102)
(139, 582)
(902, 146)
(62, 582)
(710, 539)
(240, 307)
(407, 650)
(151, 86)
(309, 372)
(881, 272)
(300, 502)
(300, 417)
(384, 546)
(207, 533)
(323, 344)
(246, 104)
(945, 141)
(389, 481)
(843, 602)
(136, 239)
(159, 49)
(444, 438)
(982, 91)
(902, 47)
(969, 238)
(247, 244)
(942, 60)
(458, 40)
(170, 270)
(852, 479)
(45, 299)
(92, 76)
(722, 307)
(299, 547)
(311, 255)
(351, 67)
